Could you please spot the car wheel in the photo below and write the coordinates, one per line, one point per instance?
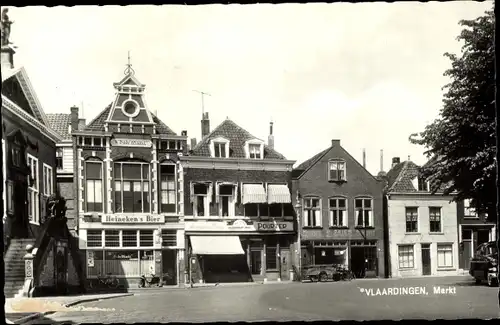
(323, 277)
(313, 278)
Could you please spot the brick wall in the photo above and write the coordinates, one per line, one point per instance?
(67, 190)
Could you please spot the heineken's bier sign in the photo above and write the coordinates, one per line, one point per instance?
(132, 219)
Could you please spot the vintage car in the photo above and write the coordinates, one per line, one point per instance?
(483, 266)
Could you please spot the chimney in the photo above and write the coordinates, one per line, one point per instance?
(364, 158)
(335, 142)
(395, 161)
(81, 124)
(381, 160)
(74, 118)
(205, 125)
(270, 138)
(193, 143)
(184, 133)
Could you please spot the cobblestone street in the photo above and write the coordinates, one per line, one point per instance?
(357, 300)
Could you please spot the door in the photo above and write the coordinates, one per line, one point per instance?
(466, 248)
(256, 261)
(426, 259)
(61, 266)
(285, 264)
(483, 236)
(169, 266)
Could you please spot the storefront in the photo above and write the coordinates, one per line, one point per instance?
(239, 251)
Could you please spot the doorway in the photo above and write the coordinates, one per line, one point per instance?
(426, 259)
(169, 266)
(466, 248)
(483, 236)
(256, 262)
(285, 264)
(61, 266)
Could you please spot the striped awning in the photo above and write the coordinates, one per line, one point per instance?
(278, 193)
(216, 245)
(254, 193)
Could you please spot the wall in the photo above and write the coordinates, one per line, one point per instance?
(67, 189)
(68, 159)
(47, 275)
(397, 228)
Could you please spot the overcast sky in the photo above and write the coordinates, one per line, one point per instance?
(369, 74)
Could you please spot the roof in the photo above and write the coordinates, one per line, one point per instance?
(97, 124)
(237, 137)
(60, 123)
(400, 177)
(311, 161)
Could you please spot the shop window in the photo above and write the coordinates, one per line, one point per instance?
(364, 212)
(122, 263)
(112, 238)
(94, 238)
(93, 186)
(169, 237)
(146, 238)
(411, 219)
(312, 212)
(167, 188)
(33, 190)
(95, 263)
(132, 192)
(435, 219)
(406, 257)
(271, 255)
(147, 265)
(129, 238)
(445, 255)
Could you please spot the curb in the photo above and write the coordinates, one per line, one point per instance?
(70, 304)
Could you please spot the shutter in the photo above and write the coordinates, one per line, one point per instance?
(191, 192)
(236, 193)
(210, 192)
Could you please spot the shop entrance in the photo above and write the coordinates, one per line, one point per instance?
(364, 261)
(169, 266)
(225, 268)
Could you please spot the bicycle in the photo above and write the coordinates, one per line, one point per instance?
(106, 281)
(361, 274)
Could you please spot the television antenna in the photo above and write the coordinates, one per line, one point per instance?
(202, 100)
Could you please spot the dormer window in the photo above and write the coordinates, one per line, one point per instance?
(219, 148)
(336, 171)
(254, 149)
(423, 185)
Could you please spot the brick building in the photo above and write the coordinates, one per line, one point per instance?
(422, 227)
(237, 207)
(342, 212)
(127, 176)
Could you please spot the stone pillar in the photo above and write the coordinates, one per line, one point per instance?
(298, 243)
(154, 178)
(79, 172)
(180, 189)
(29, 271)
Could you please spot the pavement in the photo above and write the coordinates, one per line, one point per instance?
(364, 299)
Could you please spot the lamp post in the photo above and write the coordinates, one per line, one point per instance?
(298, 209)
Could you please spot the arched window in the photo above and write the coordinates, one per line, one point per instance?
(131, 186)
(93, 186)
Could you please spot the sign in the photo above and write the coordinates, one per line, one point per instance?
(28, 269)
(239, 225)
(90, 258)
(141, 143)
(338, 233)
(121, 219)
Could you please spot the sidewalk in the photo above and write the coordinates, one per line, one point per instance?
(22, 310)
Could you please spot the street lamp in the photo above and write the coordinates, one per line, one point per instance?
(298, 209)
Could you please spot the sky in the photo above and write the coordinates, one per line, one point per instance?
(369, 74)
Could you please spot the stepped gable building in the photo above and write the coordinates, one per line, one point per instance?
(237, 207)
(127, 177)
(341, 219)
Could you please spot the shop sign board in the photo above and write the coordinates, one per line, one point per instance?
(240, 225)
(140, 143)
(126, 219)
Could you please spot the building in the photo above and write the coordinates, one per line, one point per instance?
(127, 176)
(238, 215)
(422, 227)
(341, 217)
(62, 124)
(474, 229)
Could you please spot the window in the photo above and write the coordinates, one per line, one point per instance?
(9, 194)
(167, 188)
(201, 196)
(146, 238)
(112, 238)
(336, 170)
(33, 190)
(406, 258)
(129, 238)
(312, 212)
(423, 185)
(97, 142)
(435, 219)
(132, 192)
(226, 199)
(48, 179)
(254, 151)
(94, 238)
(271, 255)
(445, 255)
(169, 237)
(219, 150)
(469, 210)
(87, 141)
(364, 212)
(259, 210)
(338, 212)
(93, 186)
(411, 219)
(59, 158)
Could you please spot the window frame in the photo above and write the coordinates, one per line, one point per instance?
(439, 248)
(161, 190)
(417, 223)
(219, 141)
(59, 158)
(34, 191)
(163, 237)
(131, 182)
(248, 154)
(371, 221)
(48, 180)
(412, 260)
(275, 248)
(206, 203)
(231, 201)
(344, 170)
(93, 160)
(345, 221)
(305, 209)
(439, 209)
(469, 212)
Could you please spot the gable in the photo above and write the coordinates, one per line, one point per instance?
(12, 89)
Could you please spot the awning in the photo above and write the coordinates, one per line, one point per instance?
(278, 193)
(254, 193)
(216, 245)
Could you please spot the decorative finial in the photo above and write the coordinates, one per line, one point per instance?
(129, 71)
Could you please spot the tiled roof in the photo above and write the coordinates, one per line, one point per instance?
(400, 177)
(237, 137)
(98, 123)
(60, 123)
(311, 161)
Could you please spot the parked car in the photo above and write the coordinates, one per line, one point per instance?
(484, 264)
